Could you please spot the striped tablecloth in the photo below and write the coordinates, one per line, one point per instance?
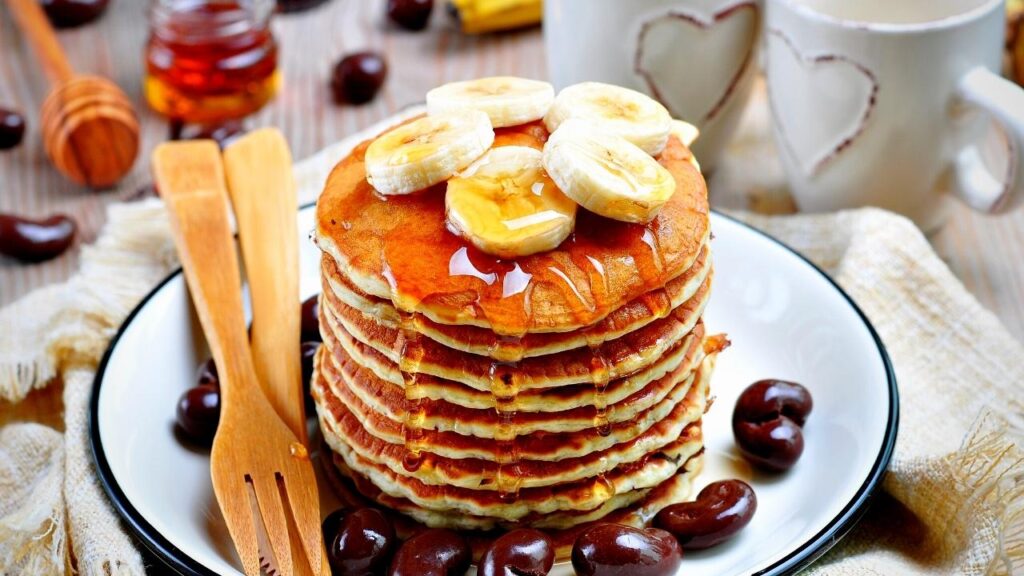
(987, 253)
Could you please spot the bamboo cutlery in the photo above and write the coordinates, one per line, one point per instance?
(262, 475)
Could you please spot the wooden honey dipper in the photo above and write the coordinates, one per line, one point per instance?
(90, 130)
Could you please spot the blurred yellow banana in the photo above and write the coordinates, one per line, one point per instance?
(480, 16)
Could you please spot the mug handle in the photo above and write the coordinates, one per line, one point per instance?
(977, 186)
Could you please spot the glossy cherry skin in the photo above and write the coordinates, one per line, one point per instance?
(71, 13)
(434, 552)
(311, 319)
(206, 374)
(721, 510)
(358, 77)
(362, 543)
(617, 550)
(12, 128)
(523, 552)
(31, 240)
(410, 14)
(199, 414)
(767, 423)
(332, 522)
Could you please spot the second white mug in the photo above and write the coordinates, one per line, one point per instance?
(882, 103)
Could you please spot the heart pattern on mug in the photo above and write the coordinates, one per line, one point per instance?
(693, 86)
(820, 104)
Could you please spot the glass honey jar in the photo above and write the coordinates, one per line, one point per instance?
(210, 60)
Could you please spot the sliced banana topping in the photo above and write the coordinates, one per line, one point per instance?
(687, 134)
(508, 100)
(621, 111)
(607, 174)
(506, 205)
(427, 151)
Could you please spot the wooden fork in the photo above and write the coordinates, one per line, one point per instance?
(259, 176)
(255, 455)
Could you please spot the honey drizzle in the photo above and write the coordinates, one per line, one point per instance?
(603, 489)
(411, 352)
(600, 374)
(504, 379)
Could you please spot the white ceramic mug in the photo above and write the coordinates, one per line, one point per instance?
(697, 57)
(876, 103)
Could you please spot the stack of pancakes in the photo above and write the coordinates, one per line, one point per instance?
(552, 390)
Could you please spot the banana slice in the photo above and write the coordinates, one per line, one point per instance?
(620, 111)
(427, 151)
(687, 134)
(508, 100)
(506, 205)
(607, 174)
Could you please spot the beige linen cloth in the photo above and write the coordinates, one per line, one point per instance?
(952, 501)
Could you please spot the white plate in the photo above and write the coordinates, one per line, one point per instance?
(786, 319)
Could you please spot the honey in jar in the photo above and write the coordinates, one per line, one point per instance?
(210, 60)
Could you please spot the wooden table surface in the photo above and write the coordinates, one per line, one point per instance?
(986, 253)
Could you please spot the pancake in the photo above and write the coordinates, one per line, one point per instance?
(554, 390)
(632, 316)
(398, 248)
(562, 527)
(478, 473)
(530, 503)
(616, 358)
(330, 387)
(375, 379)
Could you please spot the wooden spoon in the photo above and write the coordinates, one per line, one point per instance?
(90, 130)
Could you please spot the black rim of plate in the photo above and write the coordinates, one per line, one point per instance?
(793, 562)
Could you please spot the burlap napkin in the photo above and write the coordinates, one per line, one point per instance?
(953, 501)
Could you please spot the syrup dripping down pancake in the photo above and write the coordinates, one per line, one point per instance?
(617, 358)
(532, 506)
(446, 429)
(683, 407)
(621, 321)
(398, 248)
(563, 527)
(371, 373)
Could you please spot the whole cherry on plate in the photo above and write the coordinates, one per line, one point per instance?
(358, 541)
(433, 552)
(358, 77)
(522, 552)
(199, 413)
(721, 510)
(206, 374)
(767, 423)
(311, 319)
(619, 550)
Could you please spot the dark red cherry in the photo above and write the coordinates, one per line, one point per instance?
(362, 544)
(12, 128)
(410, 14)
(72, 13)
(358, 77)
(199, 413)
(311, 319)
